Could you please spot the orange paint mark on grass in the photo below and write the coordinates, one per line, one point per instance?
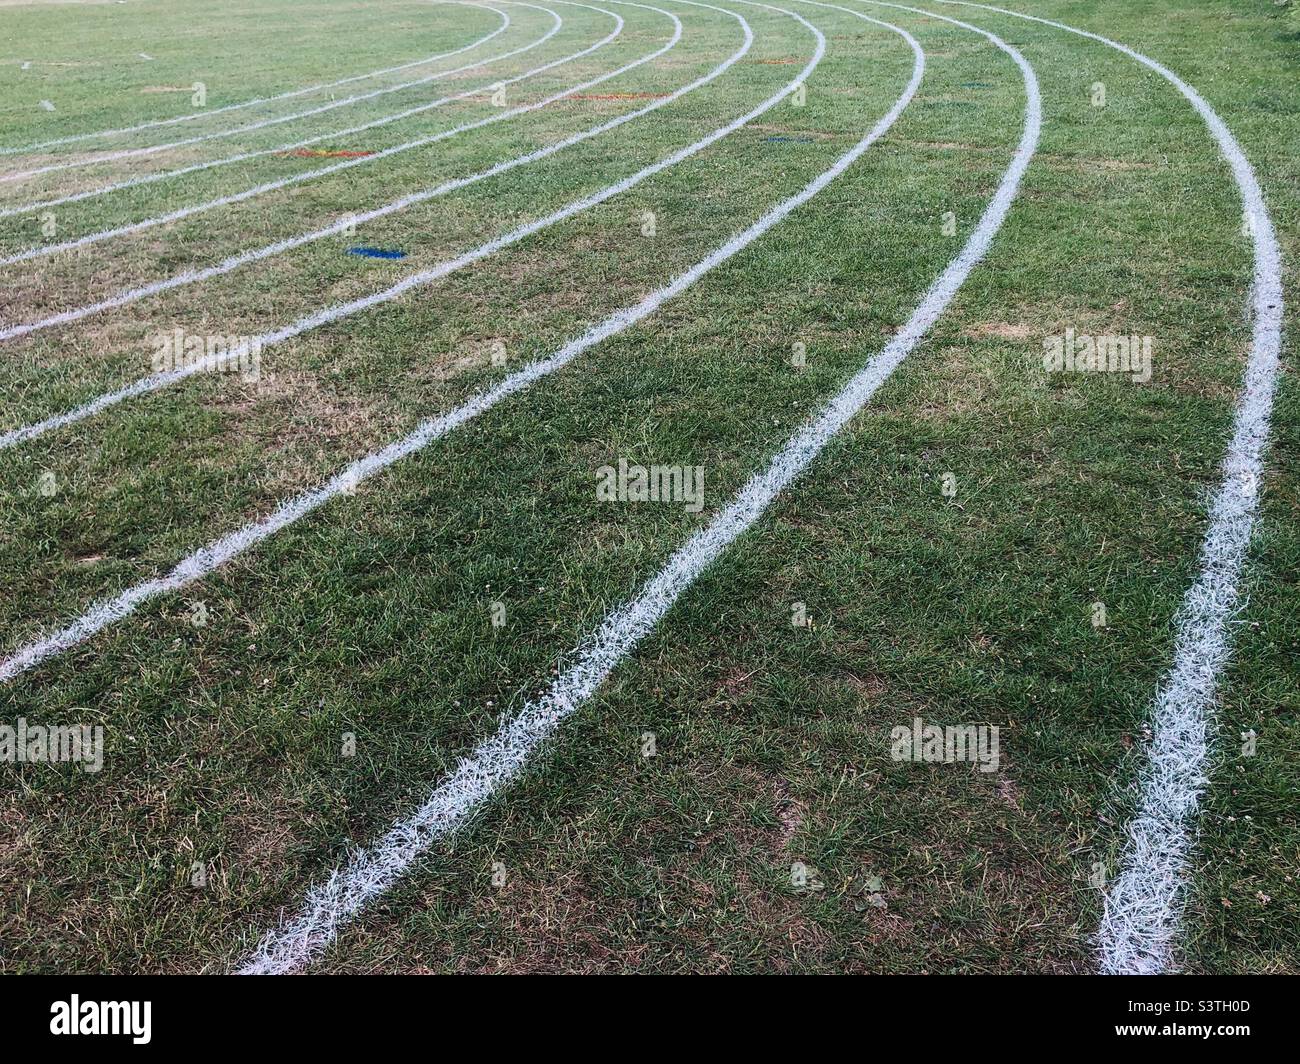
(620, 96)
(323, 153)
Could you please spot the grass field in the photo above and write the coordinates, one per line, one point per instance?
(726, 800)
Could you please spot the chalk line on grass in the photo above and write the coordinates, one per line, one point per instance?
(1143, 905)
(293, 179)
(234, 262)
(28, 149)
(157, 381)
(219, 551)
(131, 153)
(500, 759)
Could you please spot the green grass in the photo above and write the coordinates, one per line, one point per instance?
(371, 617)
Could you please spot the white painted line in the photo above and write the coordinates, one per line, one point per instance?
(207, 558)
(130, 153)
(234, 262)
(158, 381)
(499, 760)
(334, 135)
(299, 178)
(1144, 904)
(27, 149)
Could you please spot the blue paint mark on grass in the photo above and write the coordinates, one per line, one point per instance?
(787, 140)
(378, 253)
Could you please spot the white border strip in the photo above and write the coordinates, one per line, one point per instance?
(130, 153)
(158, 381)
(31, 149)
(333, 135)
(1143, 907)
(499, 760)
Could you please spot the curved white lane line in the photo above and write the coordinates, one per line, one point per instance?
(130, 153)
(219, 551)
(29, 149)
(333, 135)
(309, 175)
(234, 262)
(1143, 907)
(499, 760)
(163, 380)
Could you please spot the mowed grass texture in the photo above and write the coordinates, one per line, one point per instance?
(225, 742)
